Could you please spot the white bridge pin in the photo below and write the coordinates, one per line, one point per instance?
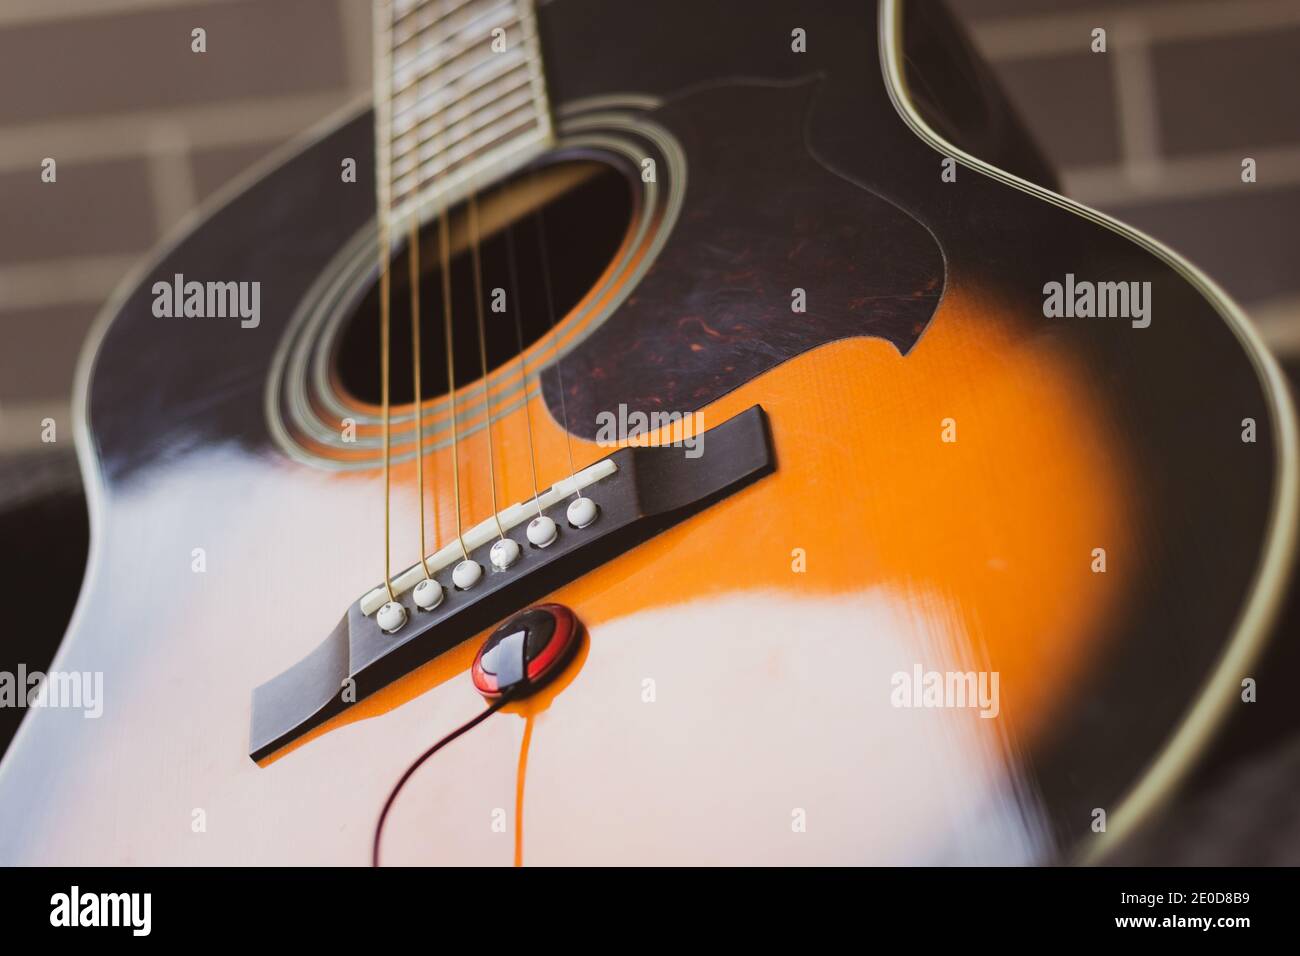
(391, 617)
(504, 553)
(466, 574)
(582, 512)
(541, 532)
(427, 594)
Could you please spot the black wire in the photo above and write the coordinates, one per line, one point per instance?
(463, 728)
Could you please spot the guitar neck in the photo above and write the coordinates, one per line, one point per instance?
(460, 99)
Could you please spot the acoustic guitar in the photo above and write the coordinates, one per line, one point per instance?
(670, 433)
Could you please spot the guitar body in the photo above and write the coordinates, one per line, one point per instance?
(962, 484)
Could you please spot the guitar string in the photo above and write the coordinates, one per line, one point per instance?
(414, 269)
(559, 364)
(384, 288)
(413, 248)
(384, 121)
(513, 268)
(482, 353)
(445, 266)
(464, 728)
(385, 351)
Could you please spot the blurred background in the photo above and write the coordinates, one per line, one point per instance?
(1153, 132)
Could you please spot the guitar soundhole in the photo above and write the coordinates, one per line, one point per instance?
(582, 208)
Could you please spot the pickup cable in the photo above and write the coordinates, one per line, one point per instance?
(514, 682)
(462, 729)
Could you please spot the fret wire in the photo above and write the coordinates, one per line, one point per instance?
(440, 162)
(431, 58)
(449, 96)
(405, 8)
(432, 152)
(401, 187)
(426, 109)
(520, 24)
(405, 154)
(423, 24)
(434, 59)
(479, 26)
(434, 162)
(403, 161)
(428, 7)
(429, 173)
(490, 109)
(534, 44)
(445, 96)
(439, 79)
(445, 69)
(463, 36)
(483, 98)
(504, 159)
(452, 182)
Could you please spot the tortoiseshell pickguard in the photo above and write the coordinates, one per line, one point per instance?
(762, 217)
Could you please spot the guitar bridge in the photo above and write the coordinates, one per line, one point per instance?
(641, 491)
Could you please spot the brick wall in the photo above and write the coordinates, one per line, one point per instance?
(1154, 130)
(143, 129)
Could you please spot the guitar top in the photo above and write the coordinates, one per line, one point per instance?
(703, 441)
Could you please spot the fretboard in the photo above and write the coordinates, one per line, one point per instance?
(457, 102)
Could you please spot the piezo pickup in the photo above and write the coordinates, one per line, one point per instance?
(639, 491)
